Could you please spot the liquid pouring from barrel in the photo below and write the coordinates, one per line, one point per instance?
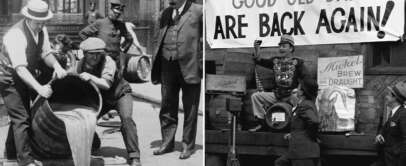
(49, 133)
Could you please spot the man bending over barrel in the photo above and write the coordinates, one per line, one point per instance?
(287, 70)
(26, 64)
(102, 71)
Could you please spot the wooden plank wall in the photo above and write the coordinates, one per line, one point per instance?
(377, 83)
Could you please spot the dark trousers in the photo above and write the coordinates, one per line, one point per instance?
(124, 107)
(172, 83)
(120, 99)
(386, 157)
(285, 161)
(16, 100)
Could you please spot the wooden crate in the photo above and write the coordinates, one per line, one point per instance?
(225, 84)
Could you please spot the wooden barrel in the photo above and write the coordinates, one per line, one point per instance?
(218, 116)
(138, 69)
(49, 139)
(278, 116)
(367, 117)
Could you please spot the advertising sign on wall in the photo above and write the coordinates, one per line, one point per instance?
(345, 71)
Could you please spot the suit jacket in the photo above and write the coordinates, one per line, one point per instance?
(304, 126)
(189, 43)
(394, 133)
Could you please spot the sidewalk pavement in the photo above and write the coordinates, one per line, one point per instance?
(152, 93)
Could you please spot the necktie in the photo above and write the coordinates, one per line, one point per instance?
(177, 17)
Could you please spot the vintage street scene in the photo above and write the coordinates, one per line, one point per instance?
(101, 82)
(303, 82)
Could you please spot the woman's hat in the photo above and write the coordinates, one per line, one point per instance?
(37, 10)
(399, 91)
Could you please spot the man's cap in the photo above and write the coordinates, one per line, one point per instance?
(399, 90)
(93, 44)
(287, 39)
(37, 10)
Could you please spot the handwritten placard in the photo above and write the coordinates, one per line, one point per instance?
(341, 71)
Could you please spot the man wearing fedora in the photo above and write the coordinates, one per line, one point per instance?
(111, 29)
(177, 64)
(26, 64)
(391, 138)
(303, 146)
(287, 69)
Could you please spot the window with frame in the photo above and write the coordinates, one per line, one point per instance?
(66, 6)
(386, 58)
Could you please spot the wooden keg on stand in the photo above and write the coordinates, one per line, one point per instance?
(220, 88)
(219, 117)
(367, 117)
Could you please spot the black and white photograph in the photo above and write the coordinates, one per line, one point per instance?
(202, 83)
(305, 83)
(101, 82)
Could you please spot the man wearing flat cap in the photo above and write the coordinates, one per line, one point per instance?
(287, 69)
(177, 65)
(100, 69)
(111, 29)
(303, 146)
(391, 136)
(26, 64)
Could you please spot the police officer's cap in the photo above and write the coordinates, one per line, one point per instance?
(93, 44)
(117, 3)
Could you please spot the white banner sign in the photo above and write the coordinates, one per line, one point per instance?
(340, 71)
(237, 23)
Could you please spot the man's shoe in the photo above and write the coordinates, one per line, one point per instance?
(256, 128)
(163, 150)
(185, 154)
(135, 162)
